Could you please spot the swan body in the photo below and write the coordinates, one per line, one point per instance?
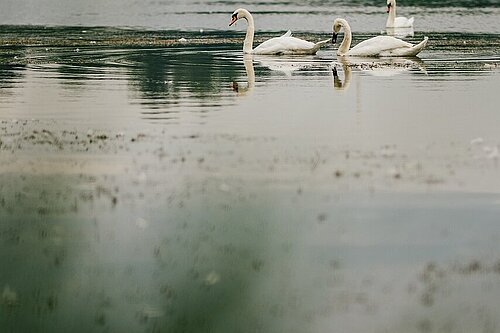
(285, 44)
(380, 46)
(396, 22)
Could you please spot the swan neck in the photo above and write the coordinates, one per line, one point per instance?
(392, 15)
(346, 42)
(248, 43)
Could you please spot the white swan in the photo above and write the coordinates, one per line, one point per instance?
(396, 22)
(380, 46)
(285, 44)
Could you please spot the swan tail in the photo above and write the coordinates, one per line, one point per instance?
(318, 45)
(419, 47)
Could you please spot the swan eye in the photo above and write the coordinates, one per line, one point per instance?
(234, 16)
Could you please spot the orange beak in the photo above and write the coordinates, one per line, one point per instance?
(234, 18)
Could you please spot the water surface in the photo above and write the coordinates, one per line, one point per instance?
(151, 184)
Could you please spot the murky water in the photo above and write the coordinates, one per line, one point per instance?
(149, 184)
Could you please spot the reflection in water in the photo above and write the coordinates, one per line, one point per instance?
(250, 72)
(11, 72)
(338, 84)
(286, 65)
(400, 32)
(9, 76)
(379, 67)
(168, 80)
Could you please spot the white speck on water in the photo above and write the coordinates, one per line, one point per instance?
(212, 278)
(93, 42)
(77, 50)
(490, 66)
(182, 40)
(9, 296)
(388, 152)
(224, 187)
(393, 172)
(477, 141)
(142, 177)
(141, 223)
(201, 31)
(84, 31)
(492, 152)
(149, 311)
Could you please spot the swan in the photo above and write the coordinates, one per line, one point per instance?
(396, 22)
(383, 46)
(285, 44)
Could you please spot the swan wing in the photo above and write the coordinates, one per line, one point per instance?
(405, 51)
(284, 45)
(403, 22)
(288, 34)
(377, 45)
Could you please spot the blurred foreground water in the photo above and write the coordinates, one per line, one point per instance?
(149, 184)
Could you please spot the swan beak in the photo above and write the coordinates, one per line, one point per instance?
(234, 18)
(334, 38)
(388, 7)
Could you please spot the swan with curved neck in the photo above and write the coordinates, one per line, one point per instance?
(396, 22)
(285, 44)
(380, 46)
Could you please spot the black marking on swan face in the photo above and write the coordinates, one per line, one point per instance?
(334, 38)
(234, 18)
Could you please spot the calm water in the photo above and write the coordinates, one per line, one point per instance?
(152, 185)
(192, 15)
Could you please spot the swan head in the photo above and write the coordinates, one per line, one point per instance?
(238, 14)
(337, 25)
(390, 4)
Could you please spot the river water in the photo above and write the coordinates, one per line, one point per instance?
(155, 179)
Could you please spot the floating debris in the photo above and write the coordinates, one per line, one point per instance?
(477, 141)
(492, 152)
(141, 223)
(224, 187)
(9, 297)
(212, 278)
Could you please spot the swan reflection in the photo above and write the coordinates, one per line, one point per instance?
(250, 72)
(400, 32)
(383, 67)
(338, 82)
(286, 65)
